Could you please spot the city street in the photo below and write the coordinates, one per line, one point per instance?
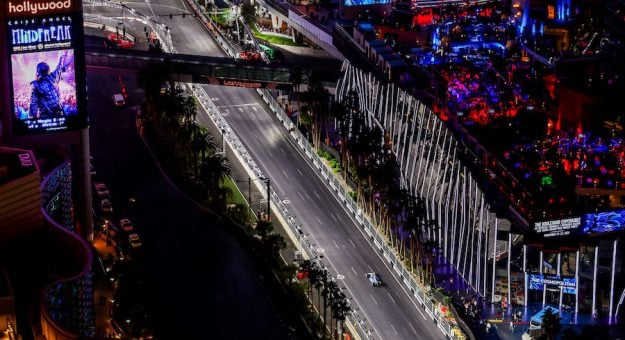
(386, 312)
(202, 283)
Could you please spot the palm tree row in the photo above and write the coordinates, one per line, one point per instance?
(187, 148)
(333, 298)
(367, 159)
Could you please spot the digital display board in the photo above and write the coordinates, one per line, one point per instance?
(536, 282)
(45, 93)
(603, 222)
(558, 227)
(365, 2)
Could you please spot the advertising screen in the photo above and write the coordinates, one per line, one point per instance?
(365, 2)
(43, 74)
(536, 282)
(604, 222)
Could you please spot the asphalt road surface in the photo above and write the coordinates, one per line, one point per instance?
(389, 311)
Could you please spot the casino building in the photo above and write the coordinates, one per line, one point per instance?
(526, 221)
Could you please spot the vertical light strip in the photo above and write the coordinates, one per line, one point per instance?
(541, 272)
(480, 231)
(485, 261)
(492, 288)
(594, 280)
(525, 272)
(576, 283)
(612, 279)
(509, 267)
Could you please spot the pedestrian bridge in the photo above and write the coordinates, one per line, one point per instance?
(213, 70)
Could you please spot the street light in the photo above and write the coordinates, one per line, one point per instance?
(223, 142)
(268, 182)
(249, 192)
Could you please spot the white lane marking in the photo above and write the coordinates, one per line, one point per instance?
(354, 270)
(300, 173)
(370, 269)
(254, 108)
(284, 152)
(318, 220)
(240, 105)
(414, 330)
(352, 242)
(285, 175)
(300, 195)
(334, 218)
(150, 7)
(337, 246)
(240, 110)
(394, 330)
(389, 295)
(316, 194)
(307, 196)
(372, 298)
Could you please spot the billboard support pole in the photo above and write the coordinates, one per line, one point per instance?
(81, 185)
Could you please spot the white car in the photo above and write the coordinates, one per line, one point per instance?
(134, 240)
(126, 225)
(119, 100)
(106, 205)
(374, 278)
(102, 189)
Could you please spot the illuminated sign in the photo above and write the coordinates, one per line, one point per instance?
(43, 74)
(33, 7)
(365, 2)
(551, 12)
(603, 222)
(536, 282)
(557, 227)
(237, 83)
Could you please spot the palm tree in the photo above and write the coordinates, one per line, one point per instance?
(332, 294)
(550, 324)
(318, 99)
(214, 169)
(201, 145)
(316, 279)
(341, 309)
(296, 77)
(150, 78)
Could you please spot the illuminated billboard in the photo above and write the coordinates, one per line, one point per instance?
(45, 94)
(604, 222)
(536, 282)
(365, 2)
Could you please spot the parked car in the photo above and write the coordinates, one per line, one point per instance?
(102, 189)
(119, 100)
(374, 278)
(106, 206)
(134, 240)
(126, 225)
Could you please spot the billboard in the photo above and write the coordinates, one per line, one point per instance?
(44, 89)
(603, 222)
(561, 227)
(536, 282)
(365, 2)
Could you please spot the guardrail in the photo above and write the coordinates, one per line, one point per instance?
(354, 320)
(279, 209)
(375, 239)
(161, 30)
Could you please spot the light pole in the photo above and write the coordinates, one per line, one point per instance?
(268, 182)
(223, 142)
